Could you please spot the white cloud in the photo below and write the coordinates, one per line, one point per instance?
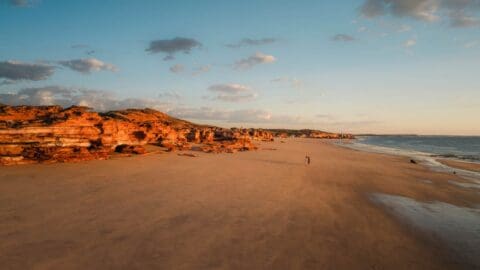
(87, 65)
(292, 82)
(232, 92)
(472, 44)
(231, 88)
(178, 68)
(343, 38)
(362, 29)
(409, 43)
(236, 98)
(404, 28)
(201, 70)
(170, 95)
(256, 59)
(252, 42)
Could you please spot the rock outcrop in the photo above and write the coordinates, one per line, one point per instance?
(309, 133)
(30, 134)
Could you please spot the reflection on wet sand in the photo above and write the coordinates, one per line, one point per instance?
(459, 227)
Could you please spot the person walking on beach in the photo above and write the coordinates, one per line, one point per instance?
(307, 160)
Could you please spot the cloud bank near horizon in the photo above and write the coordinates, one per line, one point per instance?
(103, 101)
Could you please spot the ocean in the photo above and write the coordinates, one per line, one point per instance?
(457, 147)
(425, 149)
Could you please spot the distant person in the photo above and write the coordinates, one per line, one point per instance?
(307, 160)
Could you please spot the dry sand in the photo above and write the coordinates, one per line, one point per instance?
(253, 210)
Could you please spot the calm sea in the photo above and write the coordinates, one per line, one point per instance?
(459, 147)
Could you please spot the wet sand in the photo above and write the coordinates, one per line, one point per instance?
(253, 210)
(469, 166)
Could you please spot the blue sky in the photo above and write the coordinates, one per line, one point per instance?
(398, 66)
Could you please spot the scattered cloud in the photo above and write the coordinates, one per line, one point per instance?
(362, 29)
(472, 44)
(170, 95)
(172, 46)
(389, 27)
(252, 42)
(410, 43)
(404, 28)
(232, 92)
(87, 65)
(6, 82)
(292, 82)
(23, 3)
(372, 8)
(458, 12)
(460, 19)
(256, 59)
(343, 38)
(324, 116)
(201, 70)
(15, 71)
(178, 68)
(229, 88)
(37, 96)
(80, 46)
(236, 98)
(84, 47)
(418, 9)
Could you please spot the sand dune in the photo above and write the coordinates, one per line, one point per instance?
(263, 209)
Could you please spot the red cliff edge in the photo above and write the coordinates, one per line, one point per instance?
(31, 134)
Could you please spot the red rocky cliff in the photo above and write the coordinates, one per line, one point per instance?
(308, 133)
(30, 134)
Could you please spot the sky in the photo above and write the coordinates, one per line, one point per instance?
(359, 66)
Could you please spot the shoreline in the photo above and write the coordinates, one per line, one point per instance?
(178, 211)
(460, 164)
(469, 170)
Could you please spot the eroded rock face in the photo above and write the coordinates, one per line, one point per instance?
(308, 133)
(30, 134)
(130, 149)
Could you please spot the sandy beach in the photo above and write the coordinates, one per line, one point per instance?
(261, 209)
